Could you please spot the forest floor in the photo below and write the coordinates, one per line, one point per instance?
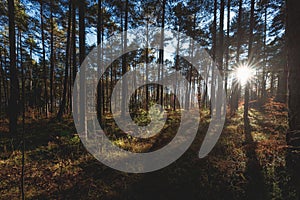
(57, 166)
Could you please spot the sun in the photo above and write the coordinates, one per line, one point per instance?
(244, 74)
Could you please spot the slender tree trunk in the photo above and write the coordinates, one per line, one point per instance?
(282, 89)
(220, 60)
(66, 73)
(190, 71)
(124, 63)
(161, 50)
(74, 60)
(227, 44)
(250, 58)
(31, 100)
(23, 118)
(14, 91)
(99, 34)
(176, 69)
(263, 91)
(235, 86)
(214, 47)
(82, 94)
(44, 60)
(70, 77)
(147, 66)
(52, 60)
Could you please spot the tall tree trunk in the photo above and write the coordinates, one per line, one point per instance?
(227, 44)
(64, 97)
(293, 135)
(74, 60)
(44, 60)
(176, 69)
(99, 39)
(214, 47)
(147, 66)
(82, 94)
(282, 89)
(14, 91)
(23, 117)
(190, 71)
(220, 60)
(124, 63)
(52, 60)
(250, 58)
(263, 91)
(161, 50)
(31, 100)
(235, 86)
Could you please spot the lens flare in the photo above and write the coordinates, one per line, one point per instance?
(244, 74)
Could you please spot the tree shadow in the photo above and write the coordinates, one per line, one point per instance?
(256, 188)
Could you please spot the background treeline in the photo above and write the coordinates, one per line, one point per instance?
(52, 38)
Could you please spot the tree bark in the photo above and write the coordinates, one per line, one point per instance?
(293, 135)
(14, 91)
(250, 58)
(74, 60)
(99, 39)
(52, 60)
(235, 86)
(214, 46)
(66, 73)
(263, 91)
(44, 60)
(82, 94)
(227, 44)
(220, 60)
(161, 50)
(124, 63)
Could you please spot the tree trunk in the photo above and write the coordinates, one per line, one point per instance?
(99, 34)
(220, 60)
(263, 91)
(23, 117)
(124, 63)
(52, 60)
(293, 42)
(250, 58)
(64, 97)
(214, 35)
(74, 60)
(44, 60)
(14, 91)
(235, 86)
(82, 94)
(147, 66)
(176, 69)
(161, 51)
(227, 44)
